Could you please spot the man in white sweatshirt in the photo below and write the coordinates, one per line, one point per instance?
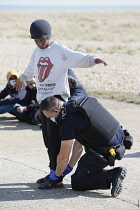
(50, 62)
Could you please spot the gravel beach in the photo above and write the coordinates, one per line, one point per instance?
(113, 36)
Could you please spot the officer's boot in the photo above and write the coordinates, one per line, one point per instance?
(116, 177)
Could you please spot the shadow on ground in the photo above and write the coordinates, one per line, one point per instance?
(11, 123)
(30, 191)
(133, 155)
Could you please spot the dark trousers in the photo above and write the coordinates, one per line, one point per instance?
(89, 174)
(51, 139)
(27, 116)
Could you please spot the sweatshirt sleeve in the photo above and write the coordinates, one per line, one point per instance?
(76, 59)
(28, 74)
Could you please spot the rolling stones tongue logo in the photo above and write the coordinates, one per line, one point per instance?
(44, 67)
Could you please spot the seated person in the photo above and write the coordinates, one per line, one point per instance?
(29, 111)
(16, 97)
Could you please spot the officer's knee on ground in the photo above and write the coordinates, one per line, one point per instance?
(76, 183)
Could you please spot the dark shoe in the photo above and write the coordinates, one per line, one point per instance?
(119, 174)
(44, 179)
(49, 184)
(34, 122)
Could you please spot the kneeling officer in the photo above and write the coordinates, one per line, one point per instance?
(87, 121)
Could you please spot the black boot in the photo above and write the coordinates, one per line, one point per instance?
(118, 175)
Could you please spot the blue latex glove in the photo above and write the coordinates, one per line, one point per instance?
(51, 171)
(52, 175)
(67, 171)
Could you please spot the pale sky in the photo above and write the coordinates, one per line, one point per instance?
(71, 2)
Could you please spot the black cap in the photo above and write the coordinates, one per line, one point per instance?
(40, 29)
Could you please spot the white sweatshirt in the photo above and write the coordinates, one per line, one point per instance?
(50, 66)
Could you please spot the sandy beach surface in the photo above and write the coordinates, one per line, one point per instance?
(113, 36)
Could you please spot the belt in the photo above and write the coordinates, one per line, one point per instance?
(106, 149)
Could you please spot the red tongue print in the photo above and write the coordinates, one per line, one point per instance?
(44, 67)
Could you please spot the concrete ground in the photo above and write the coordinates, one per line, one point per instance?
(24, 160)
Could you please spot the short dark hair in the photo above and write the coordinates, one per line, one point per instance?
(49, 103)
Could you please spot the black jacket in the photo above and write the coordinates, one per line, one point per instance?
(30, 100)
(15, 96)
(100, 127)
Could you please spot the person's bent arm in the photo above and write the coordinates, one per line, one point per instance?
(27, 75)
(63, 157)
(76, 153)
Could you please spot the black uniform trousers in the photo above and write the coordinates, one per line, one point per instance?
(89, 174)
(52, 141)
